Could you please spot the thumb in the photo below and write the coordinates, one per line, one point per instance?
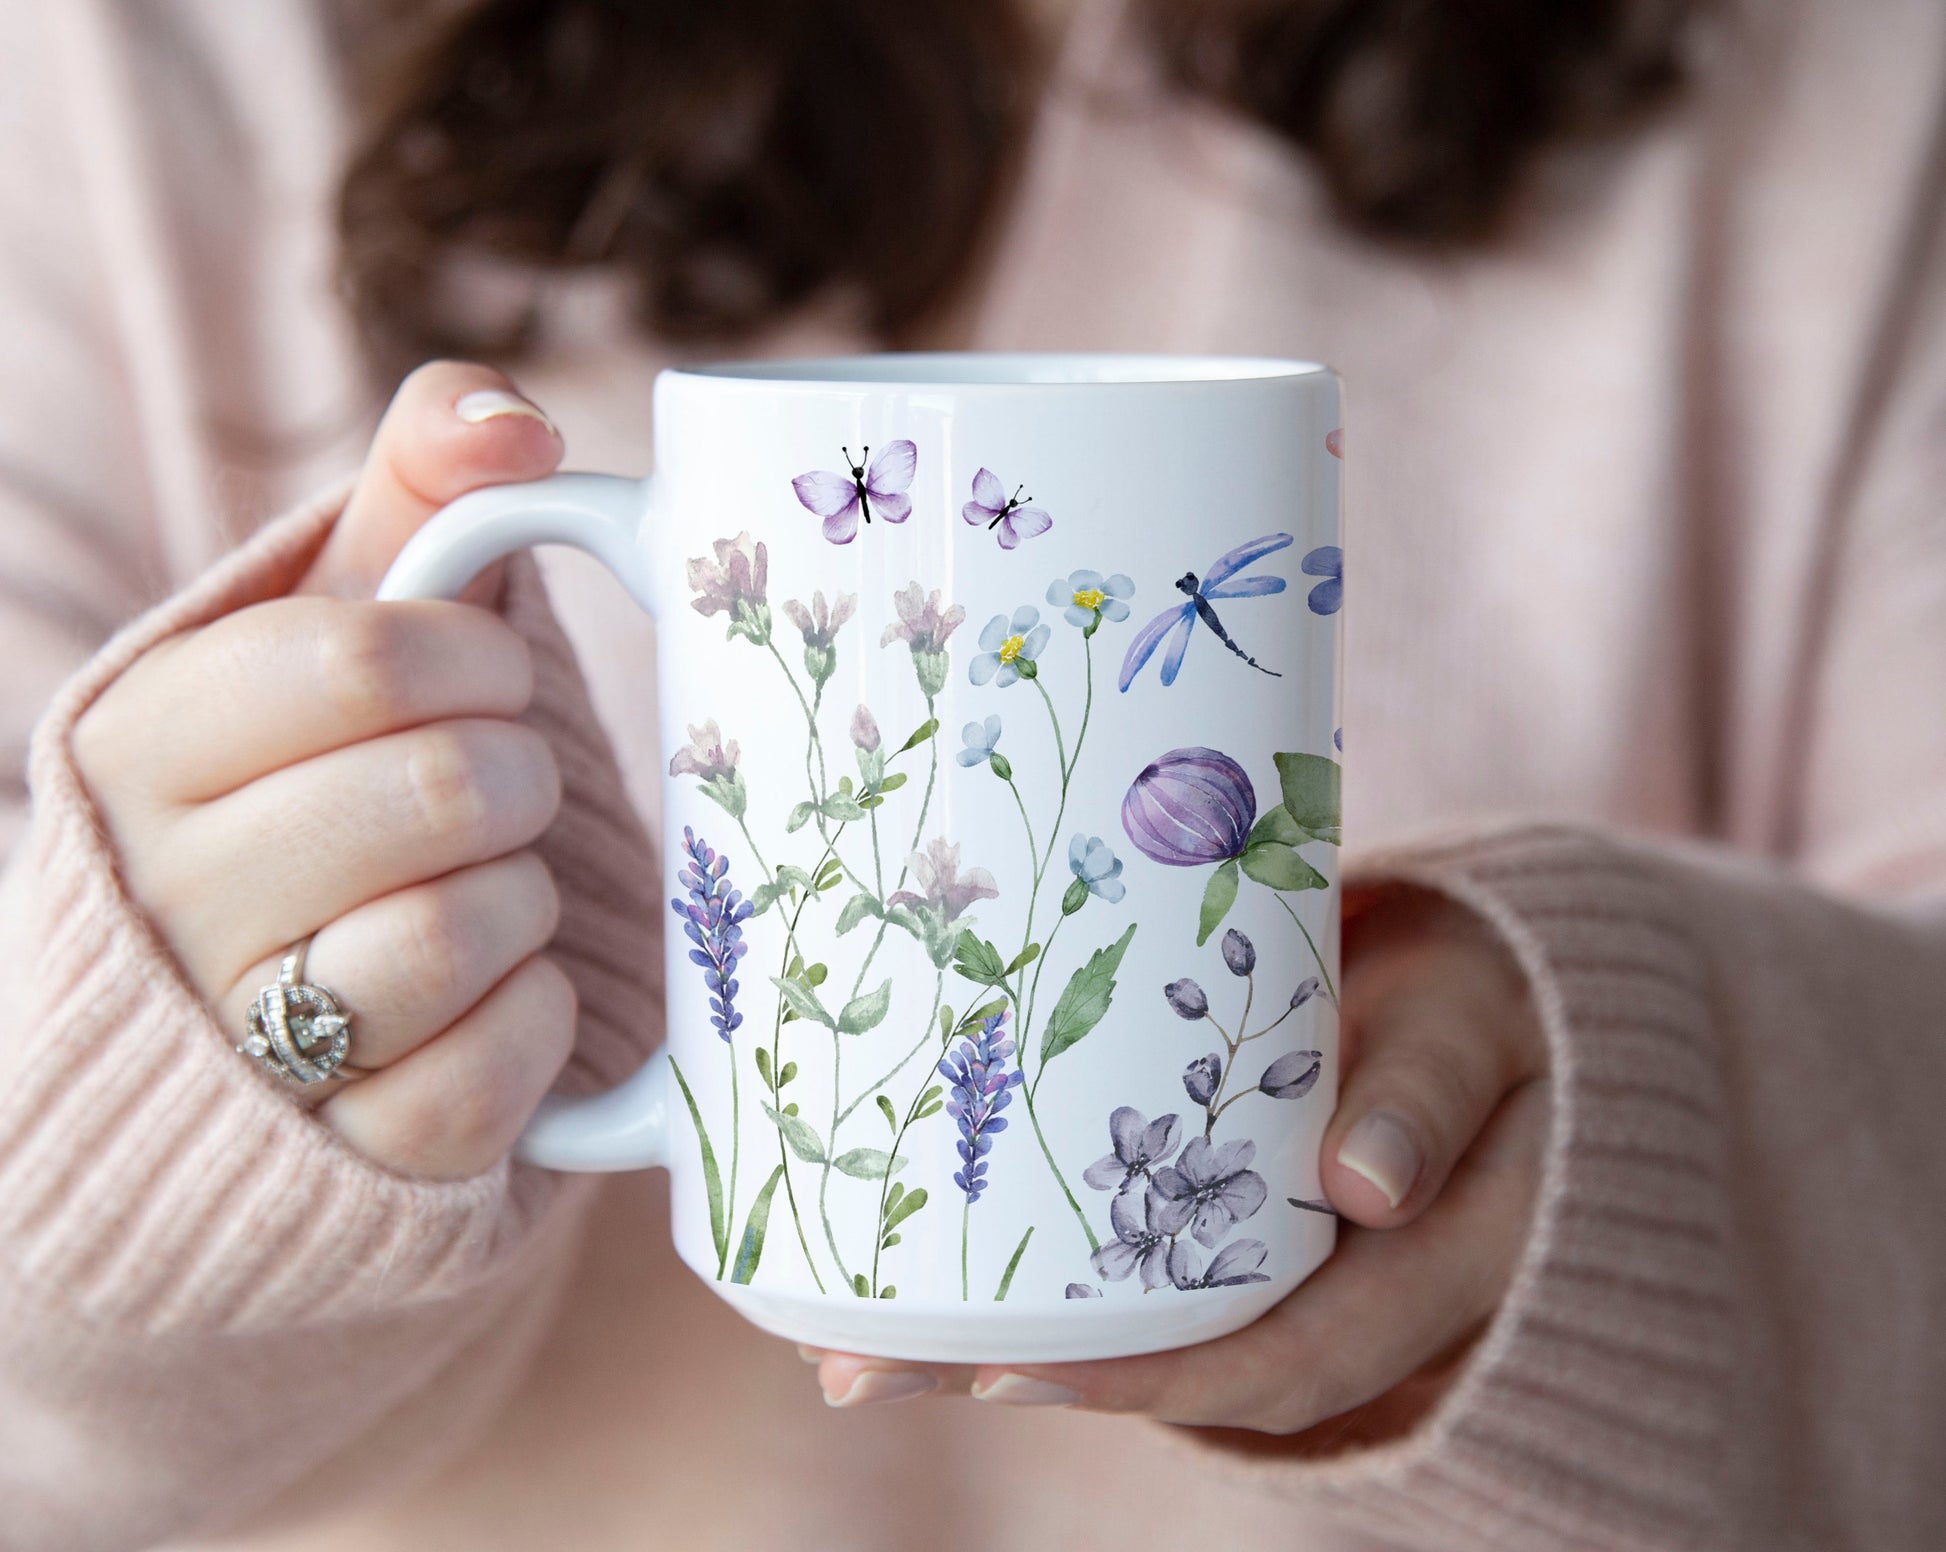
(452, 427)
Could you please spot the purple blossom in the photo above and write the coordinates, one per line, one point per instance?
(1239, 953)
(1292, 1075)
(1190, 807)
(1083, 1291)
(1327, 561)
(981, 1088)
(1208, 1189)
(706, 755)
(1306, 990)
(1140, 1145)
(1186, 999)
(1232, 1266)
(734, 583)
(712, 920)
(1202, 1077)
(1141, 1244)
(864, 729)
(820, 623)
(947, 894)
(924, 626)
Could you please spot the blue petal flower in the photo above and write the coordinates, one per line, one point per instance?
(1082, 596)
(1091, 861)
(980, 739)
(1327, 561)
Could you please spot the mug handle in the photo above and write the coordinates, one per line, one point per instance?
(627, 1127)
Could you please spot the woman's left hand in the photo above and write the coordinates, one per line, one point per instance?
(1432, 1160)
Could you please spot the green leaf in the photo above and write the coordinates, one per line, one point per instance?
(859, 1286)
(866, 1012)
(719, 1231)
(945, 1022)
(978, 961)
(1024, 958)
(841, 806)
(893, 782)
(1084, 1000)
(1075, 898)
(750, 1252)
(803, 1001)
(1218, 896)
(906, 1206)
(982, 1013)
(890, 1240)
(763, 1067)
(1277, 825)
(829, 874)
(1281, 868)
(867, 1164)
(932, 1109)
(920, 734)
(797, 1132)
(789, 1072)
(1311, 793)
(888, 1292)
(857, 908)
(800, 817)
(1007, 1277)
(885, 1109)
(891, 1200)
(815, 974)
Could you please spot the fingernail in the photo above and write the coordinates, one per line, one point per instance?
(1382, 1148)
(1019, 1390)
(884, 1385)
(490, 403)
(809, 1354)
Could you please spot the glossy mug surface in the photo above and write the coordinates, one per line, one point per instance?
(1000, 695)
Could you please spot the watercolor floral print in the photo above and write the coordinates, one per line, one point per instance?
(855, 856)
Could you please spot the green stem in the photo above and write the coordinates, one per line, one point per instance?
(751, 841)
(938, 992)
(1059, 1179)
(777, 1095)
(965, 1214)
(1033, 847)
(898, 1141)
(1323, 974)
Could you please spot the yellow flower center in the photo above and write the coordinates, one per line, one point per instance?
(1010, 648)
(1090, 597)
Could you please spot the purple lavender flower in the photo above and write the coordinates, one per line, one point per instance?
(712, 919)
(1232, 1266)
(1208, 1189)
(1140, 1145)
(1292, 1075)
(982, 1088)
(1141, 1243)
(1202, 1076)
(1190, 807)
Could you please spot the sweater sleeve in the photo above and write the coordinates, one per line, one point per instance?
(203, 1294)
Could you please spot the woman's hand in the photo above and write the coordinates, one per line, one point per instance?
(1432, 1159)
(325, 764)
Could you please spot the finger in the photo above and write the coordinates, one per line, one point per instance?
(452, 427)
(239, 879)
(1435, 1041)
(454, 1106)
(407, 966)
(281, 682)
(1384, 1307)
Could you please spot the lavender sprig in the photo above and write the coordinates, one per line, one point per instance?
(712, 919)
(982, 1087)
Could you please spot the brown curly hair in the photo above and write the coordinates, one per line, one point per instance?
(740, 157)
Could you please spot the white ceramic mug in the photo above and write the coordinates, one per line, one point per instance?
(1001, 694)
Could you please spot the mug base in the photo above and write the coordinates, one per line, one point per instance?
(1079, 1331)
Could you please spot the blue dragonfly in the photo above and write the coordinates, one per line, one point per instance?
(1216, 584)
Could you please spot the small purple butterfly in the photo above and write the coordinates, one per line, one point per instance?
(992, 506)
(839, 499)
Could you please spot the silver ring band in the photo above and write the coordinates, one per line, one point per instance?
(297, 1031)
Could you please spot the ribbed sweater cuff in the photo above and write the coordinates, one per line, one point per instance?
(1593, 1412)
(148, 1175)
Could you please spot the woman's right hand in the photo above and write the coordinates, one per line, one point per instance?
(324, 764)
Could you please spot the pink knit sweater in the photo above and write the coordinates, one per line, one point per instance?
(1647, 664)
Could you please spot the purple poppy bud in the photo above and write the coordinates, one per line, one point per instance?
(1239, 953)
(1306, 990)
(1186, 999)
(1291, 1075)
(1201, 1076)
(1190, 807)
(1083, 1291)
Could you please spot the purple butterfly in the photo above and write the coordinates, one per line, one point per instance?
(1215, 584)
(877, 493)
(992, 506)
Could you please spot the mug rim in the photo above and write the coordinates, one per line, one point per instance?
(976, 369)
